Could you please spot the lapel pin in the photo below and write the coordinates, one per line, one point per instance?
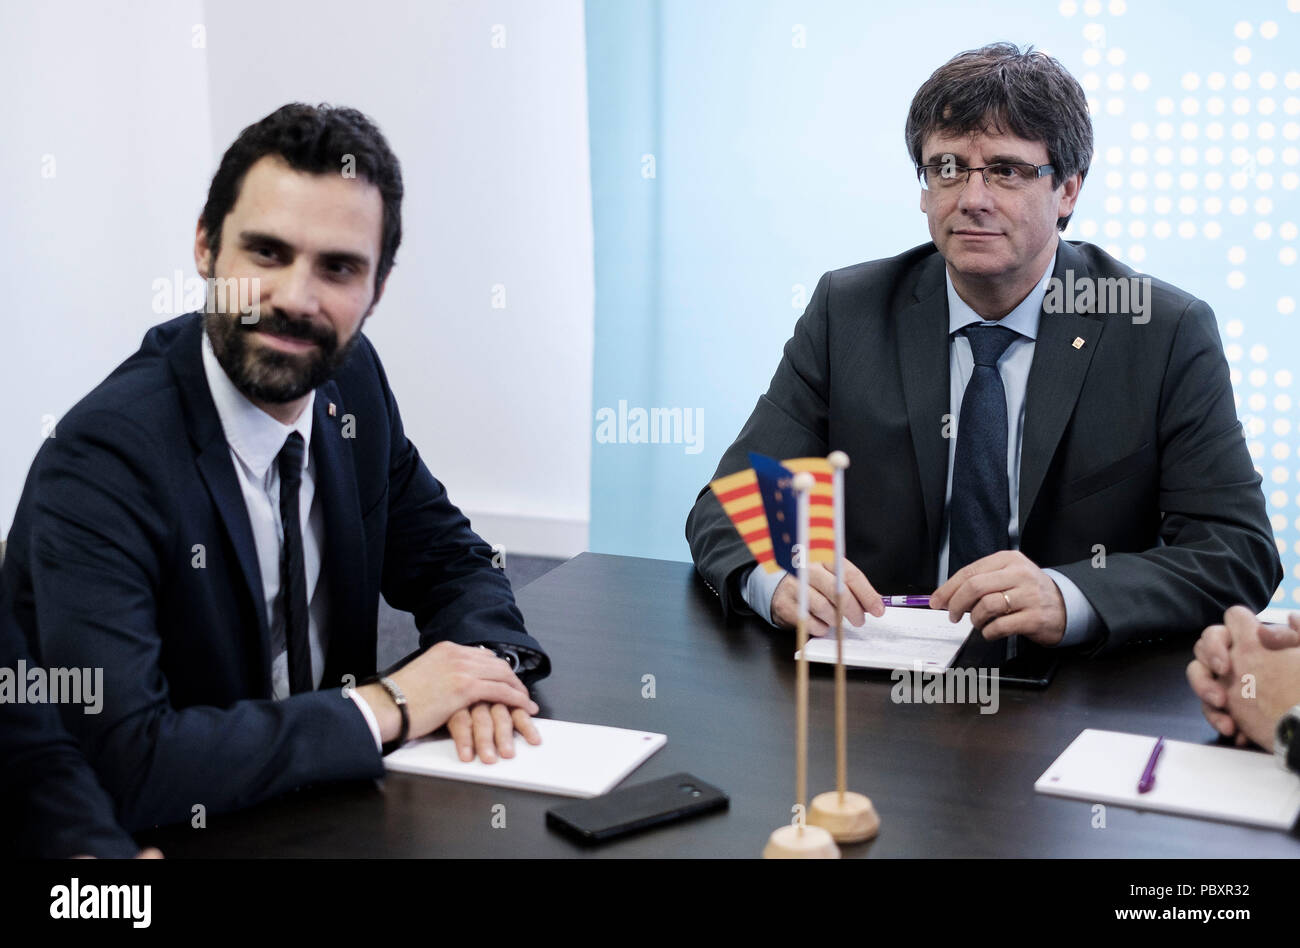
(334, 411)
(1078, 344)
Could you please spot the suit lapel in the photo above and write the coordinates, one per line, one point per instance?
(923, 359)
(1055, 379)
(343, 566)
(218, 471)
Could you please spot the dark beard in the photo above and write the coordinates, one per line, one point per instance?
(265, 374)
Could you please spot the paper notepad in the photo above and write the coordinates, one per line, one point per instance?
(898, 639)
(1201, 780)
(573, 760)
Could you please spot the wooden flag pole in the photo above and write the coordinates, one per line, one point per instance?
(800, 840)
(849, 817)
(839, 461)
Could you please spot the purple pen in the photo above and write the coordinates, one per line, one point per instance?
(917, 602)
(1149, 775)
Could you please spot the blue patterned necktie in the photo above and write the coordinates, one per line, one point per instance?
(980, 510)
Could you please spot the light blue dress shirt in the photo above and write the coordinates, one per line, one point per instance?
(1082, 624)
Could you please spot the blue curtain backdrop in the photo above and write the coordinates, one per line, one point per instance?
(741, 148)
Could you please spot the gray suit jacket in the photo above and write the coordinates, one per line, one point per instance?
(1131, 447)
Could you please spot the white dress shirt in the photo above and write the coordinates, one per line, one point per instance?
(255, 440)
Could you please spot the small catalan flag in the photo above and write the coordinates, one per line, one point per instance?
(760, 501)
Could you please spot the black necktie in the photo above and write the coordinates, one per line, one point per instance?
(293, 575)
(980, 510)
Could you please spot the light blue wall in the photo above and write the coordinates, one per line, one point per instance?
(775, 161)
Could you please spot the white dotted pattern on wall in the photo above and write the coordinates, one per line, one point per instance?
(1213, 155)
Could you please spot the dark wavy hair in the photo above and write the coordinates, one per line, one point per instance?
(314, 139)
(999, 87)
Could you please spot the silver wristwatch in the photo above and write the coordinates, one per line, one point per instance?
(506, 654)
(1286, 735)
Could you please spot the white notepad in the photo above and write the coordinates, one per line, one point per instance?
(573, 760)
(900, 638)
(1201, 780)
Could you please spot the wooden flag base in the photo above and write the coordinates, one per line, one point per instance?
(851, 820)
(812, 842)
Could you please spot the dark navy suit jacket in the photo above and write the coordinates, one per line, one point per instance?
(131, 550)
(50, 802)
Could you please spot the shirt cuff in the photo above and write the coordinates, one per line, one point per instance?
(1082, 624)
(757, 589)
(372, 722)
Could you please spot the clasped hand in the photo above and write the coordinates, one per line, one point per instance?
(470, 690)
(1246, 673)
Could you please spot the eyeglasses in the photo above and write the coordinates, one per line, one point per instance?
(1006, 175)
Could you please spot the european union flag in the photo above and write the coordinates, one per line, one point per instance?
(776, 487)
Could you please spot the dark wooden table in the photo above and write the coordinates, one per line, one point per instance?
(946, 780)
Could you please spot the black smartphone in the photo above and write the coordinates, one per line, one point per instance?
(1034, 666)
(630, 809)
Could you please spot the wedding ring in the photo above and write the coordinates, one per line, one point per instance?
(1008, 601)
